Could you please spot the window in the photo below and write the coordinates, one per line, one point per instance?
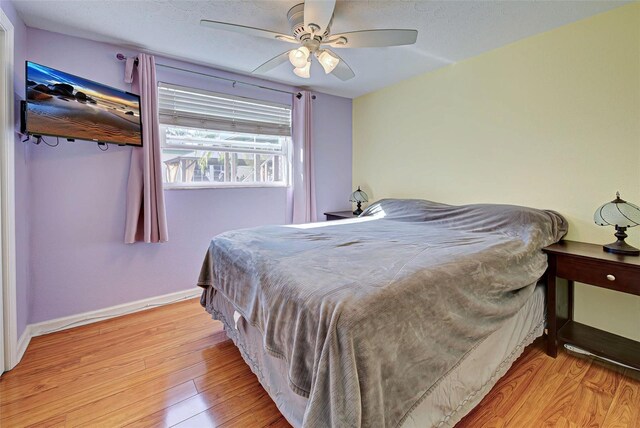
(216, 140)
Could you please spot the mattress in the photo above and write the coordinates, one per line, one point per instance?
(448, 401)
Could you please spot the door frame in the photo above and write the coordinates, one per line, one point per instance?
(7, 197)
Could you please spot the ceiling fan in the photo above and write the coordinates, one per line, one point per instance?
(311, 28)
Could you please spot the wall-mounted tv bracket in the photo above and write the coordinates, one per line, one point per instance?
(23, 117)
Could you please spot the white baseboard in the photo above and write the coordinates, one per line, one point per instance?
(64, 323)
(23, 342)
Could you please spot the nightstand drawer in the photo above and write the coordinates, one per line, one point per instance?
(607, 275)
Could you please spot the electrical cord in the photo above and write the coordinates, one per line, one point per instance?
(40, 139)
(581, 351)
(50, 145)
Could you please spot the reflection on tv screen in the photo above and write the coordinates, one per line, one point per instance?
(63, 105)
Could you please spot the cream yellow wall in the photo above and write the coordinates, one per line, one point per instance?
(552, 121)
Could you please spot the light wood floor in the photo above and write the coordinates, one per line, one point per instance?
(173, 366)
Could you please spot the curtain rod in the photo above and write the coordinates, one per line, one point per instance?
(298, 95)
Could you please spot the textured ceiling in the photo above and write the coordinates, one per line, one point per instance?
(448, 31)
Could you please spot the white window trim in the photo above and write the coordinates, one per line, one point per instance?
(219, 185)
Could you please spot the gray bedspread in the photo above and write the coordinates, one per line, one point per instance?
(370, 313)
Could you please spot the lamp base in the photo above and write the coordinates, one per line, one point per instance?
(358, 210)
(621, 247)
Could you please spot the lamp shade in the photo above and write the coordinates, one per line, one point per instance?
(327, 60)
(617, 213)
(298, 57)
(303, 71)
(359, 196)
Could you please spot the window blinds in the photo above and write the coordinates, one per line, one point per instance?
(196, 108)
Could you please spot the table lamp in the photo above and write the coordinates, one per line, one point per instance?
(621, 214)
(359, 197)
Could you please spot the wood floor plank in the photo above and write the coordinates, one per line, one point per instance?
(133, 395)
(153, 315)
(111, 341)
(558, 404)
(263, 414)
(625, 408)
(163, 376)
(56, 422)
(201, 420)
(606, 381)
(281, 422)
(78, 380)
(216, 393)
(133, 347)
(574, 368)
(174, 414)
(244, 400)
(589, 407)
(506, 395)
(72, 378)
(630, 373)
(168, 354)
(543, 387)
(149, 317)
(129, 413)
(31, 405)
(565, 423)
(174, 366)
(483, 419)
(140, 346)
(114, 396)
(60, 338)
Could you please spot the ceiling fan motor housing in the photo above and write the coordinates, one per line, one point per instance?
(296, 20)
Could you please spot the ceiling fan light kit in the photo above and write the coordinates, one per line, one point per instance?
(299, 57)
(311, 28)
(303, 71)
(327, 60)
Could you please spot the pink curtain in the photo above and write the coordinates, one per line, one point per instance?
(146, 219)
(303, 195)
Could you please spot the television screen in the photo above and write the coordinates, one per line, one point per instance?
(63, 105)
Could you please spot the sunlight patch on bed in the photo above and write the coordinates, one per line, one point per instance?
(333, 222)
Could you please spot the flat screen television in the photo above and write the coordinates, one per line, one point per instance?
(62, 105)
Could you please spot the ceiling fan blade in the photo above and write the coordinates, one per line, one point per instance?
(272, 63)
(372, 38)
(251, 31)
(318, 13)
(342, 70)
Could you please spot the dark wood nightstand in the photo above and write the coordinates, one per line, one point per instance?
(589, 264)
(339, 215)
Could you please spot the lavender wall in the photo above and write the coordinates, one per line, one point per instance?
(21, 174)
(332, 137)
(77, 194)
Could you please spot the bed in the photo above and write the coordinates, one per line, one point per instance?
(405, 316)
